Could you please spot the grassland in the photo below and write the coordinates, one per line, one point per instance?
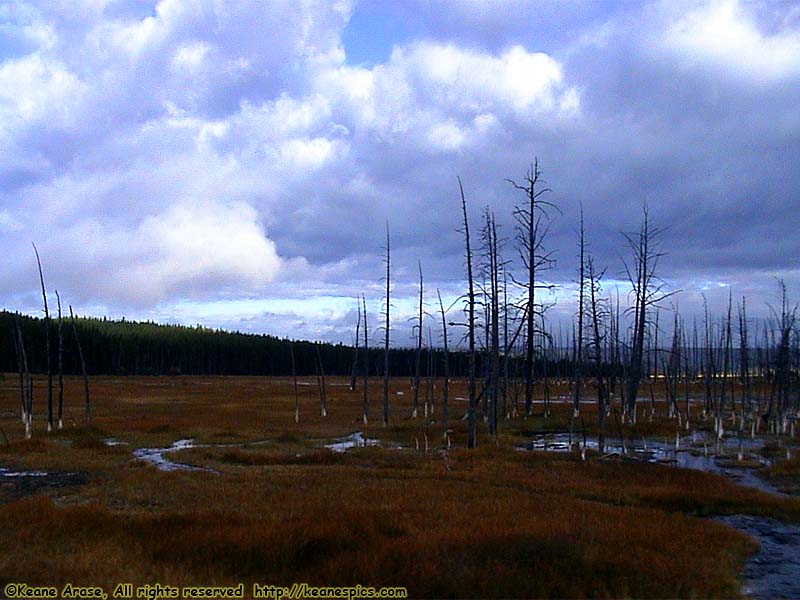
(275, 506)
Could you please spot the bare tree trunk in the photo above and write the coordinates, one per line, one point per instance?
(415, 405)
(365, 410)
(354, 370)
(506, 349)
(578, 362)
(672, 369)
(430, 386)
(386, 336)
(647, 294)
(323, 401)
(727, 357)
(597, 345)
(709, 368)
(25, 382)
(47, 345)
(785, 322)
(493, 324)
(744, 359)
(294, 380)
(471, 441)
(60, 366)
(87, 401)
(446, 388)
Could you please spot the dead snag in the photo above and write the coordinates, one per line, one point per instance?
(532, 225)
(647, 291)
(354, 370)
(25, 382)
(60, 365)
(418, 356)
(471, 441)
(386, 336)
(294, 380)
(365, 410)
(47, 344)
(87, 401)
(323, 401)
(446, 388)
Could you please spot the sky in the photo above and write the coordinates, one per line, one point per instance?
(234, 163)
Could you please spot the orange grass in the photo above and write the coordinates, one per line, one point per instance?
(493, 522)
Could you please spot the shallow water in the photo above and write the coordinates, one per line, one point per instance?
(354, 440)
(18, 484)
(774, 571)
(689, 454)
(111, 442)
(4, 472)
(155, 456)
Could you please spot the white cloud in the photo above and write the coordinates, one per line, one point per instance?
(190, 57)
(180, 252)
(8, 223)
(723, 34)
(190, 244)
(33, 89)
(442, 97)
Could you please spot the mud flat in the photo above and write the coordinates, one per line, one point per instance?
(18, 484)
(773, 571)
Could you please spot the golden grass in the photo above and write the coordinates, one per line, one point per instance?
(492, 522)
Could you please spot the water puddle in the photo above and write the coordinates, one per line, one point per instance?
(157, 458)
(689, 452)
(18, 484)
(354, 440)
(111, 442)
(8, 473)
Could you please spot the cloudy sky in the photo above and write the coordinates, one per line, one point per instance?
(234, 162)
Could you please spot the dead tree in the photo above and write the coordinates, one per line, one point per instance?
(446, 388)
(47, 344)
(578, 358)
(294, 381)
(492, 273)
(727, 357)
(689, 373)
(365, 410)
(532, 219)
(744, 358)
(23, 412)
(323, 400)
(598, 313)
(86, 399)
(779, 396)
(386, 335)
(418, 357)
(354, 370)
(60, 366)
(471, 441)
(709, 368)
(506, 349)
(647, 290)
(672, 369)
(25, 382)
(430, 385)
